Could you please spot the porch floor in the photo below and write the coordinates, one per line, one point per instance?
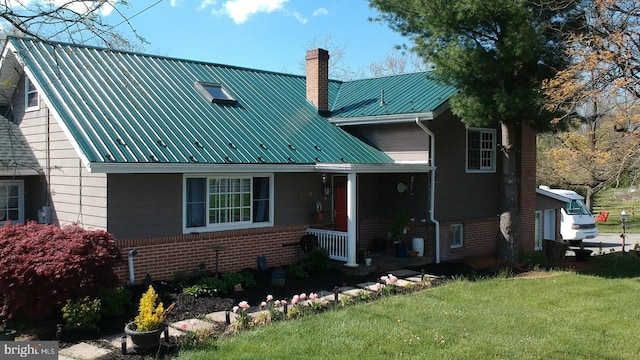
(381, 263)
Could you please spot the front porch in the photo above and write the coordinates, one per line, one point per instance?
(382, 258)
(383, 263)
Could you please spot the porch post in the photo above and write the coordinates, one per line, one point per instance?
(351, 220)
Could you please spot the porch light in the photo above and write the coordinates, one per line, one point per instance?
(326, 187)
(624, 217)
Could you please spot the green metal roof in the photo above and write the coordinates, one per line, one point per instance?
(130, 108)
(403, 94)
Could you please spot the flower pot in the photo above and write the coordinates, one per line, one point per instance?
(278, 278)
(144, 342)
(7, 335)
(402, 250)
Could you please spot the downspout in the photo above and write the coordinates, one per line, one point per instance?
(132, 277)
(432, 187)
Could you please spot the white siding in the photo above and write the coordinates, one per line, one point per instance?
(77, 196)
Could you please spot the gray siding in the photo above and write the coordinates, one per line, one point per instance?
(77, 196)
(460, 195)
(378, 196)
(145, 205)
(402, 142)
(296, 196)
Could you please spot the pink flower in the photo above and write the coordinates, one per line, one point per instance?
(303, 296)
(392, 279)
(294, 300)
(183, 326)
(269, 297)
(236, 309)
(244, 305)
(277, 303)
(377, 287)
(385, 279)
(283, 302)
(313, 296)
(263, 305)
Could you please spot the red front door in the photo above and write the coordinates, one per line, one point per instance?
(340, 202)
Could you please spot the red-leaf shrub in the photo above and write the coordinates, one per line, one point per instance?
(42, 266)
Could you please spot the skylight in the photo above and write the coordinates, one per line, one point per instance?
(215, 93)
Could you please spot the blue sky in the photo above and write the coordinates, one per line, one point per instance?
(261, 34)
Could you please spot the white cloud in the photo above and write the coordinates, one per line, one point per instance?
(240, 10)
(205, 3)
(321, 11)
(299, 17)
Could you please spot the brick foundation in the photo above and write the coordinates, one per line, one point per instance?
(479, 239)
(161, 257)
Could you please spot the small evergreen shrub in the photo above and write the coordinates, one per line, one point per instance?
(114, 301)
(316, 261)
(207, 286)
(82, 314)
(151, 316)
(43, 266)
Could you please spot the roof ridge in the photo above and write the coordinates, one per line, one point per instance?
(148, 55)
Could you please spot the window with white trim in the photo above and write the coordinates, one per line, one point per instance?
(456, 236)
(31, 98)
(220, 202)
(11, 201)
(481, 150)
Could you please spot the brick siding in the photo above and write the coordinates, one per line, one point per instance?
(161, 257)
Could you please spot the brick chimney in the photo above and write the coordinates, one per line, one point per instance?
(318, 78)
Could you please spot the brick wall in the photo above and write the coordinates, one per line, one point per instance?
(527, 163)
(479, 239)
(161, 257)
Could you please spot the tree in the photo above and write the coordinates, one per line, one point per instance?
(398, 62)
(606, 59)
(496, 53)
(601, 148)
(605, 69)
(71, 20)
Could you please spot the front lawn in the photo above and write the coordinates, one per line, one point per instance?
(546, 315)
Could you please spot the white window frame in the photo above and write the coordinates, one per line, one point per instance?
(538, 230)
(210, 227)
(457, 236)
(484, 153)
(20, 185)
(28, 90)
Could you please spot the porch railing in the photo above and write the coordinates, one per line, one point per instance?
(335, 242)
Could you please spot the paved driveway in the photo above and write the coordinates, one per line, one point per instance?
(609, 242)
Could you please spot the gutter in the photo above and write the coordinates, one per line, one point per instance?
(432, 190)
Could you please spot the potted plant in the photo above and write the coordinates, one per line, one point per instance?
(6, 334)
(147, 326)
(397, 232)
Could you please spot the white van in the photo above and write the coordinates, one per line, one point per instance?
(577, 222)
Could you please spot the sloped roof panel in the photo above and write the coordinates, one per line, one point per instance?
(16, 157)
(403, 94)
(124, 107)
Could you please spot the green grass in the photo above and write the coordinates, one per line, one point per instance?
(562, 315)
(614, 201)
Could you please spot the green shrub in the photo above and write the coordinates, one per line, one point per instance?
(83, 314)
(297, 270)
(115, 301)
(316, 261)
(206, 287)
